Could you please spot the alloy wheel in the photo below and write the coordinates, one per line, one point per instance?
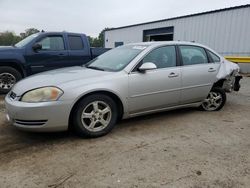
(213, 101)
(96, 116)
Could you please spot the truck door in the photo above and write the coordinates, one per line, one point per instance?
(52, 55)
(79, 51)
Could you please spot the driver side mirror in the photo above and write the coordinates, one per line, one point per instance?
(147, 66)
(36, 47)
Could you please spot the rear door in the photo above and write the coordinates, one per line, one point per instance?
(53, 54)
(155, 89)
(198, 73)
(79, 51)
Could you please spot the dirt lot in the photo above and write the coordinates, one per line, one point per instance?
(185, 148)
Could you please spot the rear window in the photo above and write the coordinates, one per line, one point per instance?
(192, 55)
(75, 43)
(213, 57)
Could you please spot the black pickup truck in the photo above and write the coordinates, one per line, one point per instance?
(42, 52)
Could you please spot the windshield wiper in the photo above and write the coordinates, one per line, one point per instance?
(96, 68)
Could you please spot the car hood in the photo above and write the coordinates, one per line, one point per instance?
(7, 49)
(59, 78)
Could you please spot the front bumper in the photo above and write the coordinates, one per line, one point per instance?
(38, 117)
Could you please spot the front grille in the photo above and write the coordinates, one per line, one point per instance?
(30, 122)
(12, 95)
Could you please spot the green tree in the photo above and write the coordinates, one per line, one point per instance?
(95, 42)
(8, 38)
(29, 32)
(90, 40)
(98, 41)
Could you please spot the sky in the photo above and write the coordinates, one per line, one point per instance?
(91, 16)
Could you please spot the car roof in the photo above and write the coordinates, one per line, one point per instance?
(162, 43)
(57, 33)
(167, 43)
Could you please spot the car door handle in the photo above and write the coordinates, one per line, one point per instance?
(172, 75)
(211, 70)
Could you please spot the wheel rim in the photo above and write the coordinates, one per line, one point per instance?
(7, 80)
(96, 116)
(213, 101)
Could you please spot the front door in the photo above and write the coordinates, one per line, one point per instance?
(53, 55)
(158, 88)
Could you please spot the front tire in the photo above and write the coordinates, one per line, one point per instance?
(215, 100)
(8, 78)
(95, 116)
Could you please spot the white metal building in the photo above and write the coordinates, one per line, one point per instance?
(226, 30)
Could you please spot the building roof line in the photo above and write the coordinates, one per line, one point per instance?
(185, 16)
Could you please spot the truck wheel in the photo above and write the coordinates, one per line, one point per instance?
(215, 100)
(8, 77)
(95, 116)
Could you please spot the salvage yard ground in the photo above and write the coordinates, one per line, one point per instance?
(184, 148)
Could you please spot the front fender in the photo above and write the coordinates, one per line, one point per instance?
(15, 60)
(118, 88)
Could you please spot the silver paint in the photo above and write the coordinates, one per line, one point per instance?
(140, 93)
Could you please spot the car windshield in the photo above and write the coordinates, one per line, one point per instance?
(25, 41)
(116, 59)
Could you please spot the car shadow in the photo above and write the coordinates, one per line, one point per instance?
(15, 143)
(13, 140)
(53, 136)
(155, 116)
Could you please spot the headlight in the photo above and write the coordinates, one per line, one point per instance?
(44, 94)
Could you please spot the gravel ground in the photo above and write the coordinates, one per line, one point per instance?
(184, 148)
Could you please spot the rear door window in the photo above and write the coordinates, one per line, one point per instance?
(192, 55)
(75, 43)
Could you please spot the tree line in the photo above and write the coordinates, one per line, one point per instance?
(9, 38)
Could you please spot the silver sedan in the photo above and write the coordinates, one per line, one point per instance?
(135, 79)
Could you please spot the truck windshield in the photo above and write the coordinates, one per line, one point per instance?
(25, 41)
(116, 59)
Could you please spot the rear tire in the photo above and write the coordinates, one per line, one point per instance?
(8, 78)
(95, 116)
(215, 100)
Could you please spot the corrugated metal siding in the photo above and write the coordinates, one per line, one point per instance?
(227, 32)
